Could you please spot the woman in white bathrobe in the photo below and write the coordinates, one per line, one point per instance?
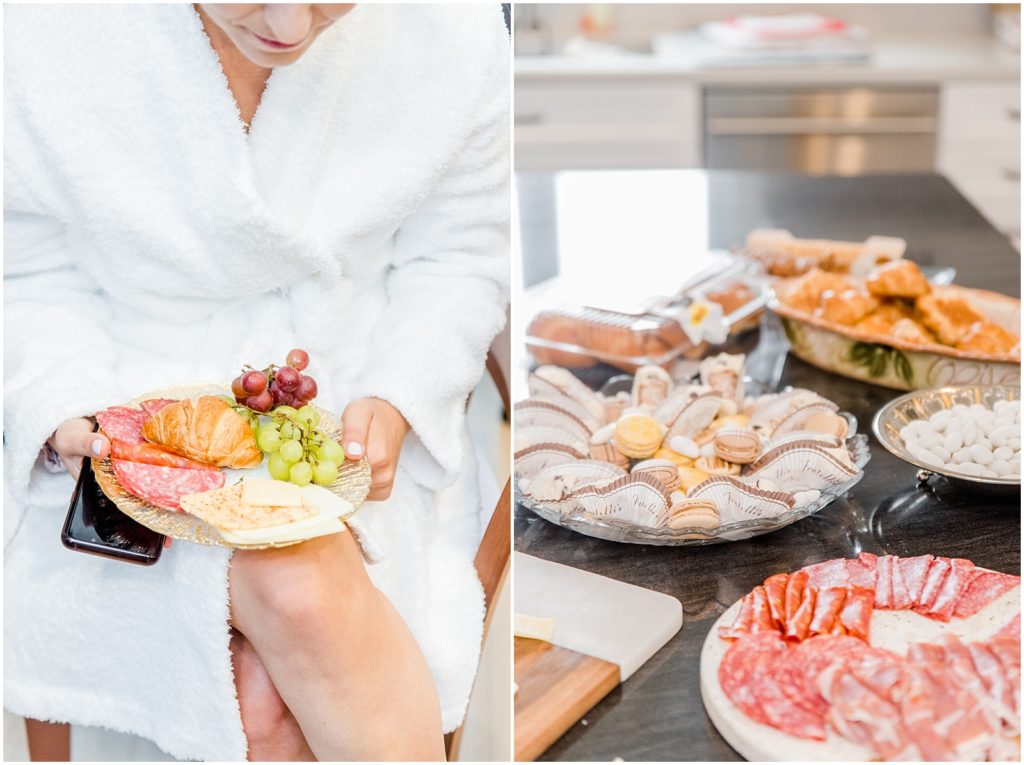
(191, 188)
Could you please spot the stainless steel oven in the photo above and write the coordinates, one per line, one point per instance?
(821, 131)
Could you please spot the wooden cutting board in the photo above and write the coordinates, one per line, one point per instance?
(557, 687)
(604, 631)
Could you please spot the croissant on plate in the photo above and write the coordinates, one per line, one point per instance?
(205, 429)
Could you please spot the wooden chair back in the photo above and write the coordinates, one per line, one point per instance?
(495, 550)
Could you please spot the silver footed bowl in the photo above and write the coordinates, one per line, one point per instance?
(922, 404)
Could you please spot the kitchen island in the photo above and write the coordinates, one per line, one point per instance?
(657, 714)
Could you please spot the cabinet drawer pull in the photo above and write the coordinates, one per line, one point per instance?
(529, 119)
(719, 126)
(1011, 175)
(1013, 113)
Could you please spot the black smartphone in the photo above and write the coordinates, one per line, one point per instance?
(95, 525)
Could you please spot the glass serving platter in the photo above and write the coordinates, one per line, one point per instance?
(615, 530)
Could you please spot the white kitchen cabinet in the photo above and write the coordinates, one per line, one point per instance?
(605, 123)
(979, 148)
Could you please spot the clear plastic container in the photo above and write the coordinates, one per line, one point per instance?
(733, 293)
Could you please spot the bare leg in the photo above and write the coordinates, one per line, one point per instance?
(270, 727)
(338, 652)
(47, 741)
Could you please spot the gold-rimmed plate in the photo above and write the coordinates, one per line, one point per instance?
(352, 485)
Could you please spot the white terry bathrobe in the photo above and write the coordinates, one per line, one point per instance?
(149, 241)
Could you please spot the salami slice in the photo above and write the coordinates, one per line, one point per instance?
(795, 586)
(799, 626)
(762, 615)
(164, 486)
(826, 608)
(153, 405)
(857, 610)
(775, 589)
(932, 584)
(744, 621)
(781, 709)
(983, 588)
(862, 570)
(745, 663)
(798, 675)
(960, 573)
(901, 598)
(883, 585)
(829, 573)
(752, 676)
(811, 658)
(913, 572)
(151, 454)
(122, 423)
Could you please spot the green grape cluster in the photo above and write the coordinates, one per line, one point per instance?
(296, 451)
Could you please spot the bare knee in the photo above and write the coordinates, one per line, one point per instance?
(294, 590)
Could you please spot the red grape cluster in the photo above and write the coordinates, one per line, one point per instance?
(275, 386)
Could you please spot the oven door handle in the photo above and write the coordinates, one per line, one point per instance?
(721, 126)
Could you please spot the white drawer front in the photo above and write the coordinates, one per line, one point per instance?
(580, 123)
(973, 111)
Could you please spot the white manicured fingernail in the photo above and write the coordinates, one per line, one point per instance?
(354, 449)
(97, 447)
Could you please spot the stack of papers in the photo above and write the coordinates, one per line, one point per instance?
(773, 40)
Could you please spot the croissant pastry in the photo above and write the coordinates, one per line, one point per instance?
(205, 429)
(898, 278)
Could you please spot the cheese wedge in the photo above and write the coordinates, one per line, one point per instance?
(536, 627)
(258, 491)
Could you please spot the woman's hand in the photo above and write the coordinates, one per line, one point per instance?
(373, 427)
(75, 439)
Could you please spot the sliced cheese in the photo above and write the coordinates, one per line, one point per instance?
(264, 492)
(332, 509)
(536, 627)
(308, 528)
(327, 501)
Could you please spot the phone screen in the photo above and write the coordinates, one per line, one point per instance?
(96, 525)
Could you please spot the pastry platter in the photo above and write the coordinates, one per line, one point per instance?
(688, 463)
(186, 462)
(834, 322)
(870, 658)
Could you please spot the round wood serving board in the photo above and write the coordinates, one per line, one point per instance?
(894, 630)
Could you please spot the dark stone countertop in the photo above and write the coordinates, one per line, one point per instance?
(657, 714)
